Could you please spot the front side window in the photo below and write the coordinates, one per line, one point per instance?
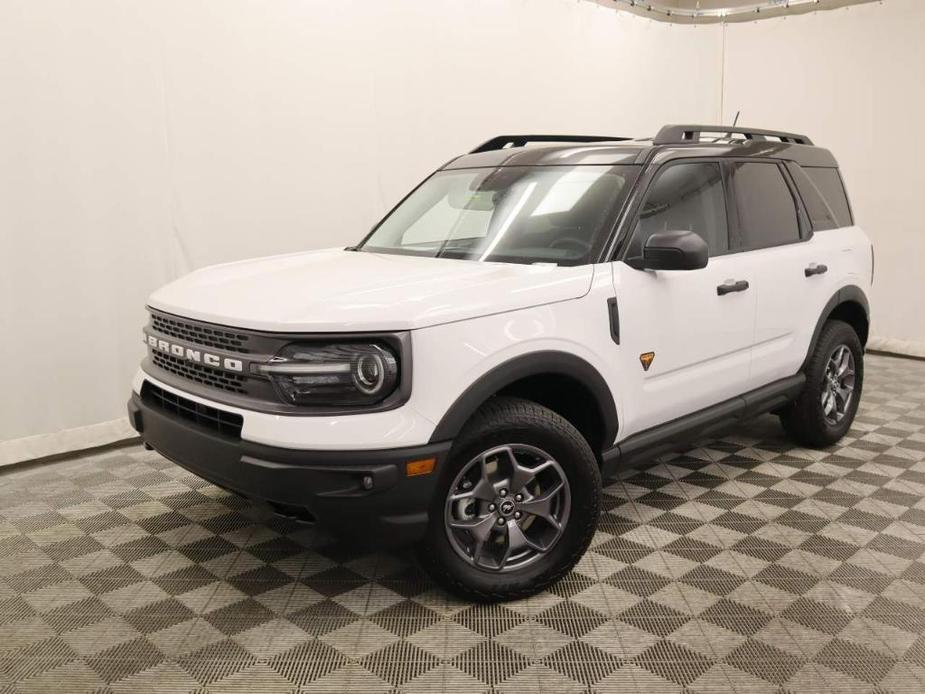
(686, 197)
(767, 210)
(516, 214)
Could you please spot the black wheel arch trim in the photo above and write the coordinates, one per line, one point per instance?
(848, 293)
(550, 362)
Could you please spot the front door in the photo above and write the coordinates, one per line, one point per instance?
(686, 335)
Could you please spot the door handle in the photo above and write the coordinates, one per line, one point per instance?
(815, 269)
(730, 286)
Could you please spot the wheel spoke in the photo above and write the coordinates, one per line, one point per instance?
(844, 361)
(828, 403)
(479, 527)
(484, 489)
(541, 505)
(520, 476)
(516, 541)
(524, 475)
(517, 475)
(843, 394)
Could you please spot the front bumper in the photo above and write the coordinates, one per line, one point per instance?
(329, 485)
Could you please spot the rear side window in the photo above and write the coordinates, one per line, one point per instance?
(767, 210)
(829, 184)
(821, 216)
(687, 197)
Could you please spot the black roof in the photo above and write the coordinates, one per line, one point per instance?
(672, 142)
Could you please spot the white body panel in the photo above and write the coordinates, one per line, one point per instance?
(342, 291)
(702, 341)
(456, 355)
(790, 303)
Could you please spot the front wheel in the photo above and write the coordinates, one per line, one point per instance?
(824, 411)
(516, 506)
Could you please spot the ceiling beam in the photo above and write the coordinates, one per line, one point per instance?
(713, 11)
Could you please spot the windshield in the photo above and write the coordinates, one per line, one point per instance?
(514, 214)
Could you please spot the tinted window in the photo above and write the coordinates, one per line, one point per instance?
(687, 197)
(821, 216)
(767, 211)
(829, 184)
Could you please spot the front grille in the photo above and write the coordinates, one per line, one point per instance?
(208, 336)
(200, 373)
(225, 423)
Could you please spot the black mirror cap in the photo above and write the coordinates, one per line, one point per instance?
(675, 250)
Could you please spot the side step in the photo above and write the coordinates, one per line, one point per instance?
(709, 421)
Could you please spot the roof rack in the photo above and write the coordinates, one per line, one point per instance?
(684, 134)
(505, 141)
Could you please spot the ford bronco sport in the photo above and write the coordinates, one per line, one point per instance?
(534, 316)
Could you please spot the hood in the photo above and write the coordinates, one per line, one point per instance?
(336, 290)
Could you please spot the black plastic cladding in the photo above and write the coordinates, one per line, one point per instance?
(524, 366)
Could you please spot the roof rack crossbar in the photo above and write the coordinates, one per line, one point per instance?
(504, 141)
(682, 134)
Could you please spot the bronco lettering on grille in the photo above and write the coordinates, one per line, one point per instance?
(194, 355)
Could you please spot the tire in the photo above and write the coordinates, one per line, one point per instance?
(806, 420)
(561, 523)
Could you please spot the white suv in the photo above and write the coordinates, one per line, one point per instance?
(534, 316)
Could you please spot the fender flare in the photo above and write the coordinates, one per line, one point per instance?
(533, 364)
(847, 293)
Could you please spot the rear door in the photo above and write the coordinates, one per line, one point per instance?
(788, 266)
(685, 339)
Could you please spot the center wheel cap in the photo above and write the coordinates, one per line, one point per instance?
(506, 507)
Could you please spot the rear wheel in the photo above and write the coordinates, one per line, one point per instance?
(834, 376)
(517, 503)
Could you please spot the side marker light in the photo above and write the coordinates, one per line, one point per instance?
(426, 466)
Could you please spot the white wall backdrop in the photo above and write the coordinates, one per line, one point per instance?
(852, 79)
(140, 140)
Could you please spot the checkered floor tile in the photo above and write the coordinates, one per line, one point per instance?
(743, 565)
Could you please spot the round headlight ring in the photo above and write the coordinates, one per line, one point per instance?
(369, 373)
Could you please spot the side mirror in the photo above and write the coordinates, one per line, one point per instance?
(672, 250)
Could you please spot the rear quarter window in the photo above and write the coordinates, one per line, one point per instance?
(829, 184)
(821, 216)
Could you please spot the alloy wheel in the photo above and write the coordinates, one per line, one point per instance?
(507, 507)
(838, 385)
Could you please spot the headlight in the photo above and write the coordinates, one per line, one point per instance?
(342, 374)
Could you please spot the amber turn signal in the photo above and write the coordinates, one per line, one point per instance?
(414, 468)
